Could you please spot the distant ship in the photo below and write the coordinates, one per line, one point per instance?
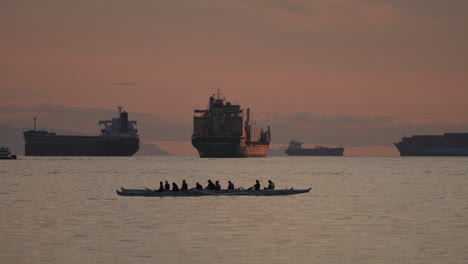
(117, 138)
(448, 144)
(223, 131)
(295, 149)
(5, 153)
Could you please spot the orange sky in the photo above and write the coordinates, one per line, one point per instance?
(403, 60)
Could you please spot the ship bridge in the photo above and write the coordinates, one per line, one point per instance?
(119, 126)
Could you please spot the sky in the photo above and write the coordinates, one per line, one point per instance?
(356, 73)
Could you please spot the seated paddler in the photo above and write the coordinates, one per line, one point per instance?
(184, 186)
(161, 187)
(271, 185)
(230, 186)
(167, 187)
(175, 188)
(256, 186)
(211, 186)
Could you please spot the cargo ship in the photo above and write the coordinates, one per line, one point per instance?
(448, 144)
(295, 149)
(224, 131)
(118, 138)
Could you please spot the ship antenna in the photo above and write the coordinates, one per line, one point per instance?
(218, 93)
(34, 123)
(120, 108)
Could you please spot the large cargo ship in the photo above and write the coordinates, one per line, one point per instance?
(118, 138)
(448, 144)
(223, 131)
(295, 149)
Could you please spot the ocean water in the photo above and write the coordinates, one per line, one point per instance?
(360, 210)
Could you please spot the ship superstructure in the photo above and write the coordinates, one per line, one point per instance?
(295, 149)
(448, 144)
(119, 126)
(118, 137)
(223, 130)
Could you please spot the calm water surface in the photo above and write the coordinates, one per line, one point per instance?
(360, 210)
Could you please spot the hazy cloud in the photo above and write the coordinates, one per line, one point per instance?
(337, 13)
(339, 120)
(17, 94)
(13, 109)
(73, 111)
(152, 127)
(126, 84)
(349, 130)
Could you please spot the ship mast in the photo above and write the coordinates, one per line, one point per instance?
(218, 94)
(34, 123)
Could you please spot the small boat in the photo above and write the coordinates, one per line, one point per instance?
(5, 153)
(195, 192)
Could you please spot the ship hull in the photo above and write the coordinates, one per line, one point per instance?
(228, 147)
(409, 150)
(57, 145)
(8, 158)
(315, 152)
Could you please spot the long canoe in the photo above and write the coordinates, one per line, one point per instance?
(195, 192)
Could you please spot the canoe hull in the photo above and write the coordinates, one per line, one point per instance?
(194, 192)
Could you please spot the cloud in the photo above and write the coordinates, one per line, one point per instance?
(152, 127)
(65, 110)
(339, 120)
(330, 13)
(12, 108)
(11, 93)
(126, 84)
(347, 130)
(355, 131)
